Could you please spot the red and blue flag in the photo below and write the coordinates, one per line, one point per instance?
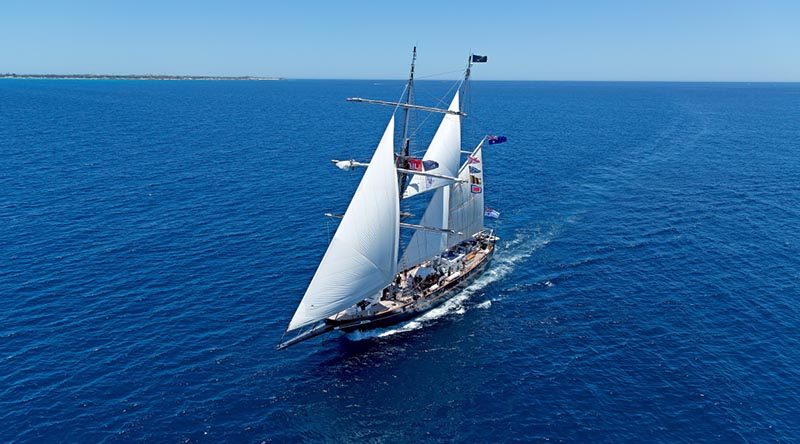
(422, 165)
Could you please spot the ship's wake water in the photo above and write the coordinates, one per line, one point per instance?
(521, 247)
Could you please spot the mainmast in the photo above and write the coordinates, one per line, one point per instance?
(466, 82)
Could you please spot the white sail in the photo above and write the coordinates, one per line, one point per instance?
(458, 207)
(362, 257)
(445, 149)
(466, 199)
(426, 244)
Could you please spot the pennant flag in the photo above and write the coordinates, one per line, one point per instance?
(479, 58)
(491, 212)
(494, 140)
(474, 180)
(472, 159)
(474, 170)
(476, 189)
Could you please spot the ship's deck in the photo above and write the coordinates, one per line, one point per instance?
(423, 281)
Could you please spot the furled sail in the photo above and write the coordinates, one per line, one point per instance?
(445, 149)
(362, 257)
(466, 199)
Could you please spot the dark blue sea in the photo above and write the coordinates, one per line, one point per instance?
(156, 236)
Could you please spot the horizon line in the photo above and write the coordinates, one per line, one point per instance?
(472, 79)
(68, 76)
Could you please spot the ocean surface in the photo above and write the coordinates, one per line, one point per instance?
(156, 236)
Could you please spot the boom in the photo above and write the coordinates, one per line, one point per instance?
(405, 106)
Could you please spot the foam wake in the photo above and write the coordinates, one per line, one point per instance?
(506, 258)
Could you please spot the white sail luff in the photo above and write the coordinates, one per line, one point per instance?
(362, 256)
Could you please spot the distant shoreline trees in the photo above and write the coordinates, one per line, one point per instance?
(128, 77)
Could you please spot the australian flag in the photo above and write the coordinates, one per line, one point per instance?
(494, 140)
(491, 212)
(479, 58)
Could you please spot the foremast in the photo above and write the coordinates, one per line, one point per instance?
(405, 144)
(409, 101)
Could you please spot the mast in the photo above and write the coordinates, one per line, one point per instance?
(469, 68)
(402, 161)
(407, 111)
(466, 80)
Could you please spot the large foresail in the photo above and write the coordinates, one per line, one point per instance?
(466, 203)
(445, 149)
(362, 257)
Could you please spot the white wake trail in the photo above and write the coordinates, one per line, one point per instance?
(518, 249)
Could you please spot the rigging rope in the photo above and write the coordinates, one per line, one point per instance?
(400, 99)
(441, 73)
(439, 102)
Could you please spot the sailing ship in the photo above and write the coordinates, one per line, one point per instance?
(361, 284)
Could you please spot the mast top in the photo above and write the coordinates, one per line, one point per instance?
(409, 98)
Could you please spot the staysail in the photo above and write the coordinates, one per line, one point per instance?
(445, 149)
(362, 257)
(458, 207)
(466, 199)
(426, 244)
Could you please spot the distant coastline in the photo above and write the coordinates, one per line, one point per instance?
(128, 77)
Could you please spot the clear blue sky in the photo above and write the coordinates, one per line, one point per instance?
(537, 40)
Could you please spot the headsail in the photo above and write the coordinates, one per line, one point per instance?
(445, 149)
(362, 257)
